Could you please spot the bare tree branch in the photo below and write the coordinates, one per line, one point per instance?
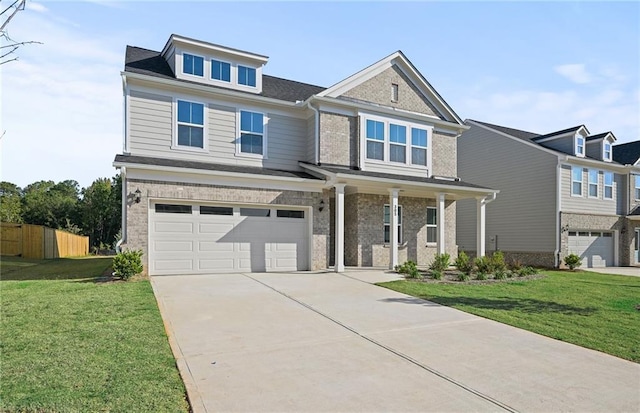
(17, 5)
(9, 43)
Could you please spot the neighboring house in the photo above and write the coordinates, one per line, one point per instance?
(560, 193)
(227, 169)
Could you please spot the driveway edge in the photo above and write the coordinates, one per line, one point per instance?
(193, 395)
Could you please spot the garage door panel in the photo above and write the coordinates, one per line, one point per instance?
(174, 227)
(595, 249)
(216, 228)
(165, 246)
(213, 265)
(213, 246)
(174, 265)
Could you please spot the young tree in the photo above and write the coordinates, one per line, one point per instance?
(100, 210)
(10, 202)
(50, 204)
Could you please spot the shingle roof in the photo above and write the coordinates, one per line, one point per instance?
(560, 132)
(356, 172)
(151, 63)
(177, 163)
(517, 133)
(598, 136)
(627, 153)
(635, 211)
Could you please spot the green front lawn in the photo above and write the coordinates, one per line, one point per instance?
(592, 310)
(71, 342)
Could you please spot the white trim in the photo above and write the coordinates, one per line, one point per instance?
(181, 67)
(213, 47)
(576, 145)
(432, 243)
(401, 241)
(395, 226)
(589, 183)
(339, 228)
(126, 125)
(222, 82)
(556, 252)
(604, 151)
(265, 121)
(604, 185)
(636, 186)
(440, 220)
(174, 127)
(581, 195)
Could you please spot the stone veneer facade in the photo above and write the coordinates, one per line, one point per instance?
(138, 213)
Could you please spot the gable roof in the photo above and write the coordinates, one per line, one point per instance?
(627, 153)
(561, 132)
(517, 133)
(400, 60)
(151, 63)
(600, 136)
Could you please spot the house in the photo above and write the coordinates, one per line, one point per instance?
(563, 192)
(228, 169)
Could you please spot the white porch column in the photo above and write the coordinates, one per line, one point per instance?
(339, 234)
(441, 224)
(393, 228)
(480, 231)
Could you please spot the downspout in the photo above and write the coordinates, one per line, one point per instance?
(125, 124)
(556, 252)
(123, 219)
(316, 159)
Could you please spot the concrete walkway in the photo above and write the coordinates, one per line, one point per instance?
(633, 271)
(326, 342)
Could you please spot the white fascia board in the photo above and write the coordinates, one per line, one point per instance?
(209, 89)
(594, 163)
(215, 47)
(557, 154)
(384, 110)
(240, 179)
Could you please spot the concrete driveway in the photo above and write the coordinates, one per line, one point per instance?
(633, 271)
(327, 342)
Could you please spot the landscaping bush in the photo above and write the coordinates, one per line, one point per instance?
(440, 262)
(497, 262)
(464, 263)
(463, 277)
(436, 274)
(500, 274)
(128, 263)
(524, 271)
(483, 265)
(572, 261)
(409, 269)
(481, 276)
(516, 264)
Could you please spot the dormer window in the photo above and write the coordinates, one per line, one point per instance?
(607, 151)
(192, 65)
(579, 145)
(220, 70)
(246, 76)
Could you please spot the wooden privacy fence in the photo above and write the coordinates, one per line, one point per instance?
(38, 242)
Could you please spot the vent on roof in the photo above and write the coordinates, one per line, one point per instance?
(446, 178)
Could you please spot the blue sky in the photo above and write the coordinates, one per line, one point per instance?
(540, 66)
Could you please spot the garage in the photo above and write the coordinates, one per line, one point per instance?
(196, 239)
(595, 248)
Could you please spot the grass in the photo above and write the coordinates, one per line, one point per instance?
(592, 310)
(73, 343)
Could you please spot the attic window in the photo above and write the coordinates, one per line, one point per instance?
(607, 151)
(394, 92)
(192, 65)
(579, 145)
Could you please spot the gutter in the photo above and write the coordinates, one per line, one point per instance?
(123, 222)
(556, 252)
(316, 132)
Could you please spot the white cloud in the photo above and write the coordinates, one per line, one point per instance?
(575, 73)
(36, 7)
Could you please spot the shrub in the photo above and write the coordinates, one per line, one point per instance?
(516, 264)
(409, 269)
(483, 264)
(481, 275)
(436, 274)
(497, 262)
(463, 263)
(500, 274)
(572, 261)
(440, 262)
(128, 263)
(524, 271)
(463, 277)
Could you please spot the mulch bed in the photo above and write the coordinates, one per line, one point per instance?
(451, 277)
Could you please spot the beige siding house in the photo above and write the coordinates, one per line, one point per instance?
(561, 193)
(228, 169)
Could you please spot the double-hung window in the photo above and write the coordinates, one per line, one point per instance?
(432, 225)
(607, 151)
(192, 65)
(580, 145)
(397, 143)
(637, 186)
(593, 183)
(246, 76)
(375, 139)
(419, 146)
(251, 133)
(608, 185)
(220, 70)
(387, 224)
(190, 124)
(576, 181)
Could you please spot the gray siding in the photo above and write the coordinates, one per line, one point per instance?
(594, 150)
(524, 214)
(563, 144)
(151, 129)
(584, 204)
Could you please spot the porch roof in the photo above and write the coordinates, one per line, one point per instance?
(413, 186)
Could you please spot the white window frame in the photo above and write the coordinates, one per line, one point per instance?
(265, 122)
(383, 141)
(577, 145)
(637, 187)
(574, 181)
(419, 147)
(590, 183)
(211, 59)
(604, 183)
(238, 66)
(606, 155)
(406, 130)
(400, 235)
(387, 121)
(174, 120)
(204, 65)
(432, 226)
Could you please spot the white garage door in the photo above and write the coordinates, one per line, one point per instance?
(189, 239)
(594, 248)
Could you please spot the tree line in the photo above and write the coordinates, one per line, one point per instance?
(94, 211)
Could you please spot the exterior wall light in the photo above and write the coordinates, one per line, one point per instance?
(321, 206)
(137, 196)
